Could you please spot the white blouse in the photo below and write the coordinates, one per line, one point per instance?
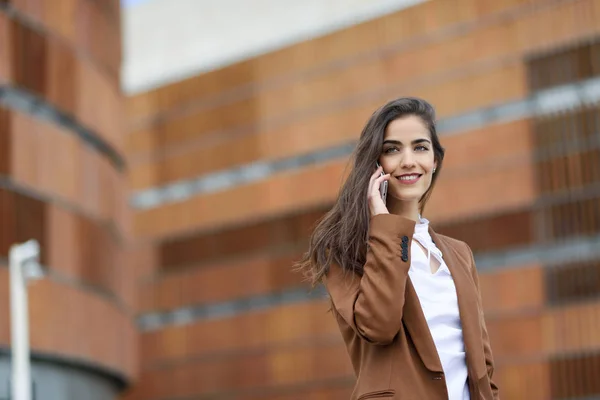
(437, 295)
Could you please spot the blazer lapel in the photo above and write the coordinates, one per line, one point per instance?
(416, 324)
(467, 303)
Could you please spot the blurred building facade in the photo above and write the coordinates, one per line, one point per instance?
(231, 169)
(227, 172)
(63, 183)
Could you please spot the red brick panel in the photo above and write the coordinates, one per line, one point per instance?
(5, 49)
(499, 144)
(283, 326)
(491, 83)
(481, 190)
(44, 65)
(573, 329)
(328, 390)
(76, 324)
(251, 274)
(578, 168)
(278, 194)
(23, 218)
(341, 390)
(55, 163)
(322, 128)
(62, 65)
(499, 231)
(425, 22)
(5, 142)
(99, 104)
(92, 26)
(524, 335)
(333, 86)
(575, 376)
(222, 281)
(525, 380)
(257, 238)
(513, 290)
(516, 336)
(301, 365)
(71, 244)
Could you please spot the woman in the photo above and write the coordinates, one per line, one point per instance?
(406, 299)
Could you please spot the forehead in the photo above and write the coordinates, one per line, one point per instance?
(407, 128)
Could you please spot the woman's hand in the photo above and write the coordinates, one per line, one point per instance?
(376, 204)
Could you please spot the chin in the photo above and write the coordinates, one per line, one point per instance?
(406, 195)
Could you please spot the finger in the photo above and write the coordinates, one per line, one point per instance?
(377, 183)
(382, 178)
(372, 180)
(375, 174)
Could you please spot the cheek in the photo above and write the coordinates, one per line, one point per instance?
(428, 164)
(388, 164)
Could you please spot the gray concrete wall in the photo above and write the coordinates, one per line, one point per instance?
(60, 381)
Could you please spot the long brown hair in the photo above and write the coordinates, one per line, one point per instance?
(341, 235)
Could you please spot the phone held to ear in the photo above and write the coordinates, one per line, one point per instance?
(383, 186)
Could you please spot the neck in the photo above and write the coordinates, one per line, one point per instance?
(407, 209)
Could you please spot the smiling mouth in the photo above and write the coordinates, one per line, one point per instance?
(409, 179)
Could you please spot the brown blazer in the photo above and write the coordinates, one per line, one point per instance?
(383, 326)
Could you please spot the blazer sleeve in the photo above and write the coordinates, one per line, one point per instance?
(489, 358)
(372, 303)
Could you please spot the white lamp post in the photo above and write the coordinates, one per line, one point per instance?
(24, 266)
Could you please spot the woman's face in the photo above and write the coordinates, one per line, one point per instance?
(407, 155)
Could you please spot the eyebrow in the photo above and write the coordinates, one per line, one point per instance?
(416, 141)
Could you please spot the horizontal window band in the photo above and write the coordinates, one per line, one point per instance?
(539, 105)
(17, 99)
(560, 252)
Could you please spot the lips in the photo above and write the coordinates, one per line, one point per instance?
(408, 179)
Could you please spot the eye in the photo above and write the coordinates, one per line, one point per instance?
(421, 148)
(390, 150)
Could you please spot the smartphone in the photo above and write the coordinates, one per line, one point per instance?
(383, 187)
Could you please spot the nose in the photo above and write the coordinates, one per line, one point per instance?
(408, 160)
